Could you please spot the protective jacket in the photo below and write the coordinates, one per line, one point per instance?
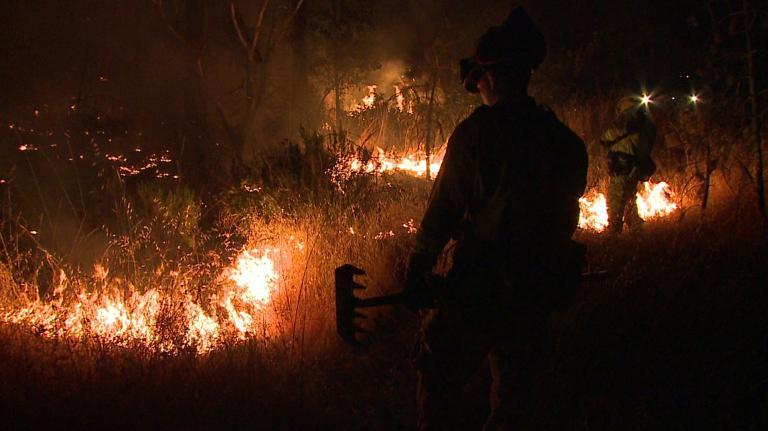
(512, 173)
(630, 141)
(508, 193)
(508, 189)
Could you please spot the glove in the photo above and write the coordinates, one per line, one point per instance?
(417, 291)
(634, 175)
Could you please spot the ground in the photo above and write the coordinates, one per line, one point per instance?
(674, 339)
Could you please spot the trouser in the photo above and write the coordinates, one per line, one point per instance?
(622, 206)
(484, 314)
(452, 350)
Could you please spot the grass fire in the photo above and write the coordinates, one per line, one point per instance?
(293, 215)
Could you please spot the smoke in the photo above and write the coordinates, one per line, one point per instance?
(388, 75)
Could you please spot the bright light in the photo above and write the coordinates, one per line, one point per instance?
(646, 99)
(695, 98)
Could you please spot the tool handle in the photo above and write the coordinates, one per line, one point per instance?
(377, 301)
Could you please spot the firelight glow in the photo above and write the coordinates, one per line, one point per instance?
(654, 201)
(254, 273)
(119, 313)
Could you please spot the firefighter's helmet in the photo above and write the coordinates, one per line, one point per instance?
(625, 104)
(517, 43)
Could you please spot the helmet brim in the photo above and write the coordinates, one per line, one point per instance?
(471, 72)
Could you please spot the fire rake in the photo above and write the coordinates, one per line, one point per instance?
(347, 303)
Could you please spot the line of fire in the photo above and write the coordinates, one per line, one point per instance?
(344, 214)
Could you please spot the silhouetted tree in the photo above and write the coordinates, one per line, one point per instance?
(244, 35)
(343, 52)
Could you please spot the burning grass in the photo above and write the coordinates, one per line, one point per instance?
(259, 291)
(270, 288)
(623, 352)
(234, 328)
(653, 200)
(242, 341)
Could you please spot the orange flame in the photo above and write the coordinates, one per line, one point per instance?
(368, 101)
(414, 164)
(654, 200)
(118, 313)
(594, 211)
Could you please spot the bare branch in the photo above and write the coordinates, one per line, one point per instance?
(294, 13)
(286, 24)
(171, 28)
(236, 24)
(200, 70)
(257, 30)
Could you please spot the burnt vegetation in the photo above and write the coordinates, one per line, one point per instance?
(163, 163)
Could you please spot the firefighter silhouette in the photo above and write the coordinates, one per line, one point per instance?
(629, 141)
(507, 193)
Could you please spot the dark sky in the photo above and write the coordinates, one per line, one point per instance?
(51, 49)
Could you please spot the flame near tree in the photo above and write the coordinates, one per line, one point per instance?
(116, 311)
(244, 293)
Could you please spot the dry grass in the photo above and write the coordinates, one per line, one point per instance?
(675, 340)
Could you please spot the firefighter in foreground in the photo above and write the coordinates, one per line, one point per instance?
(629, 141)
(507, 193)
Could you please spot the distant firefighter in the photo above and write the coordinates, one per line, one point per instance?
(629, 141)
(507, 193)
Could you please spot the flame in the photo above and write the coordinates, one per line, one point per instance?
(399, 99)
(254, 275)
(368, 101)
(119, 313)
(414, 164)
(654, 200)
(254, 279)
(203, 330)
(594, 211)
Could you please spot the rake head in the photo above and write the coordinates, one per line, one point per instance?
(346, 302)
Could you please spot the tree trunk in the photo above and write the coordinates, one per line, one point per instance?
(707, 161)
(337, 84)
(428, 141)
(194, 130)
(755, 108)
(338, 132)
